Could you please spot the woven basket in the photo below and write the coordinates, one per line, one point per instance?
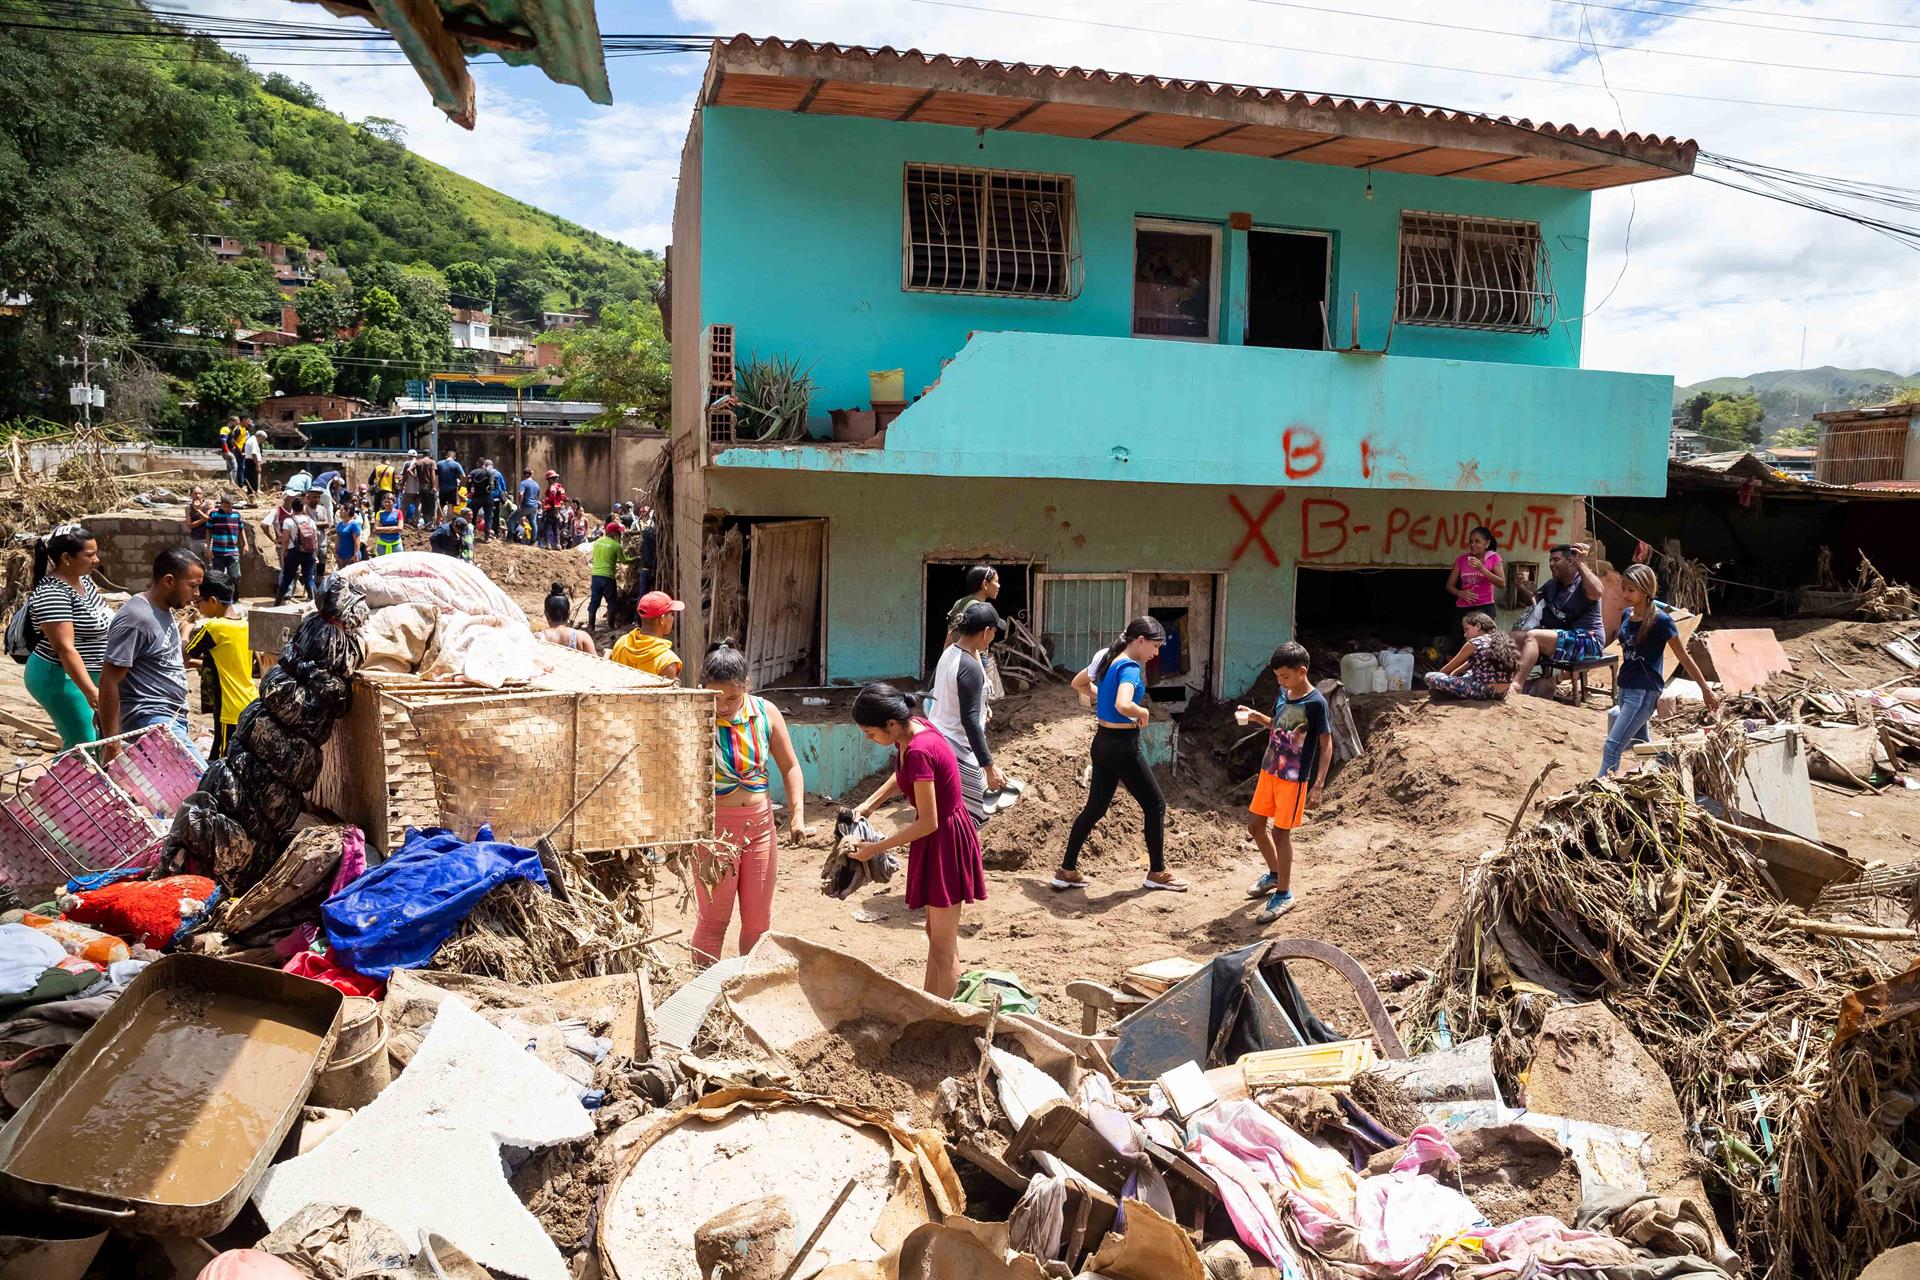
(422, 754)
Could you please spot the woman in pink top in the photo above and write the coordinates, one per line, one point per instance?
(944, 866)
(1476, 576)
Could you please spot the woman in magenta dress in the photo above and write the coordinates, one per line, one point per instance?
(944, 867)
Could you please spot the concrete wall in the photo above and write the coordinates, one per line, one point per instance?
(1071, 407)
(882, 529)
(597, 468)
(129, 540)
(801, 241)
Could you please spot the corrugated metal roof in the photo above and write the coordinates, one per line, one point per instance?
(888, 83)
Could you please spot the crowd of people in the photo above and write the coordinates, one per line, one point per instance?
(100, 673)
(943, 764)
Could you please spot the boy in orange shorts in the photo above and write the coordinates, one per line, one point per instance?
(1299, 747)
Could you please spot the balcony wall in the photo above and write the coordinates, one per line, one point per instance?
(1069, 407)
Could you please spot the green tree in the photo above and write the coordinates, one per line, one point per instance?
(296, 91)
(302, 370)
(379, 309)
(324, 309)
(221, 297)
(231, 386)
(1734, 419)
(623, 363)
(1796, 437)
(471, 280)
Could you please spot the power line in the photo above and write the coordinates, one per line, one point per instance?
(1586, 44)
(1425, 66)
(1751, 26)
(1801, 17)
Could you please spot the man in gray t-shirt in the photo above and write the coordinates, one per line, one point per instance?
(144, 681)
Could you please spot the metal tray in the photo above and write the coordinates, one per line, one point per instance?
(313, 1008)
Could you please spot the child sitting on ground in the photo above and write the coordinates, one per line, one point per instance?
(1483, 669)
(1299, 751)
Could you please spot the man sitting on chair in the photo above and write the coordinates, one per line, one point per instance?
(1571, 628)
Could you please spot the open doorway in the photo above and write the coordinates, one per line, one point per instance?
(1337, 611)
(1184, 604)
(947, 582)
(1287, 288)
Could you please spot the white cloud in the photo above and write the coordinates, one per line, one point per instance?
(1716, 282)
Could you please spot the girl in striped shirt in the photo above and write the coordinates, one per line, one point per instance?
(63, 672)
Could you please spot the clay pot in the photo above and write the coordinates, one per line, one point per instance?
(852, 426)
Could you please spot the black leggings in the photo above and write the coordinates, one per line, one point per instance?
(1117, 761)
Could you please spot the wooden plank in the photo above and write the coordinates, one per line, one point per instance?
(783, 595)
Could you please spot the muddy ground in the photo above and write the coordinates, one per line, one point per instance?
(1378, 867)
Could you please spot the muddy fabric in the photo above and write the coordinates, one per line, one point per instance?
(335, 1242)
(842, 876)
(297, 873)
(1667, 1226)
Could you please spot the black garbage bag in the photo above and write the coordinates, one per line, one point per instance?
(221, 787)
(302, 709)
(204, 842)
(323, 646)
(342, 603)
(294, 761)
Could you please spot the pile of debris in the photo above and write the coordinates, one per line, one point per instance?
(1668, 908)
(1864, 738)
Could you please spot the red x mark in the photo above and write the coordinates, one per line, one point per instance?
(1255, 524)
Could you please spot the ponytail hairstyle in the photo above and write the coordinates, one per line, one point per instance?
(879, 705)
(558, 605)
(1647, 583)
(1493, 543)
(724, 664)
(64, 540)
(1141, 628)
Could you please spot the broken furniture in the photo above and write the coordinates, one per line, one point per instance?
(166, 1114)
(1241, 1002)
(73, 813)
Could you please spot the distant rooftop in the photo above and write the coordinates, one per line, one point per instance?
(1194, 115)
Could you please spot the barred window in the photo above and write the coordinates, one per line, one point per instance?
(994, 231)
(1472, 273)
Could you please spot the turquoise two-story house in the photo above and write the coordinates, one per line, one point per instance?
(1252, 361)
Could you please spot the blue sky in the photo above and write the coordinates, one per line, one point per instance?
(1684, 277)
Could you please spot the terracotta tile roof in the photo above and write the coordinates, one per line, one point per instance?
(835, 76)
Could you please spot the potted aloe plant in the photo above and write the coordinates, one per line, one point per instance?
(774, 394)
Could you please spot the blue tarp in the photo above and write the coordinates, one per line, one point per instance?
(398, 913)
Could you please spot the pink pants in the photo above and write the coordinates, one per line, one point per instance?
(751, 828)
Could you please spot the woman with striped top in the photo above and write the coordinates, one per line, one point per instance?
(750, 736)
(960, 701)
(63, 672)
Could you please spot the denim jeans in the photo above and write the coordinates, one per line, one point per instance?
(602, 589)
(176, 723)
(1632, 712)
(294, 565)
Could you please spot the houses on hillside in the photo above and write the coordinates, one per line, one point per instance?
(1252, 362)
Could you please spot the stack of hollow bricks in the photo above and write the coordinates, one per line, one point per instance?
(129, 540)
(719, 382)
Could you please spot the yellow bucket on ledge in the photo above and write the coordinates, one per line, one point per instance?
(886, 385)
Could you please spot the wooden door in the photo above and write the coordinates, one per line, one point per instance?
(786, 559)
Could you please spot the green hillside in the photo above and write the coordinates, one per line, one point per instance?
(124, 144)
(1792, 396)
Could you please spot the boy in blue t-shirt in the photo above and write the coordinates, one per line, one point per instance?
(1299, 751)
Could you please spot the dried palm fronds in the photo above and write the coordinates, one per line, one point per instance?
(522, 934)
(1627, 892)
(1683, 581)
(1883, 601)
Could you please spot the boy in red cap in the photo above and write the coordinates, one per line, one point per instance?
(649, 646)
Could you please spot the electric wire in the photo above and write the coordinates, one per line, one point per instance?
(1752, 26)
(1588, 43)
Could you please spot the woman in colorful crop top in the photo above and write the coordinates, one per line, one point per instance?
(750, 738)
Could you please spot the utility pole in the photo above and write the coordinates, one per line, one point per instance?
(84, 393)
